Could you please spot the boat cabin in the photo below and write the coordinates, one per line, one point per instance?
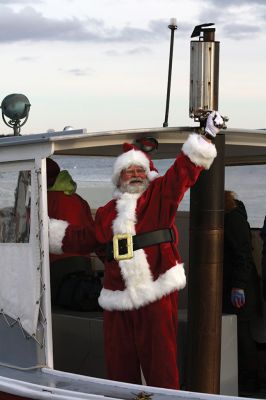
(61, 350)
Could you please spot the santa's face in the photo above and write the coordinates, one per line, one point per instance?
(133, 179)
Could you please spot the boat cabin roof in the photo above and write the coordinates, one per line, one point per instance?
(243, 146)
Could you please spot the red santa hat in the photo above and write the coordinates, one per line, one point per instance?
(52, 171)
(133, 156)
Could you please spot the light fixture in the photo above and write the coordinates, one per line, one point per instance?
(16, 107)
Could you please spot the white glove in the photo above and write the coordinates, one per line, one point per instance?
(214, 123)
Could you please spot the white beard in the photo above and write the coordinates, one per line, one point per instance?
(130, 187)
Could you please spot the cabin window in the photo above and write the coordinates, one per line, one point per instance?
(15, 206)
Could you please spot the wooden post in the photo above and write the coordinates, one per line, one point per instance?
(206, 238)
(205, 277)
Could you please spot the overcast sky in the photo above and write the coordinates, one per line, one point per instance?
(103, 64)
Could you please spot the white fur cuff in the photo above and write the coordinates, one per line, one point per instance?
(57, 230)
(199, 151)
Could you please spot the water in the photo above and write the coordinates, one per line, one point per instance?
(93, 176)
(248, 182)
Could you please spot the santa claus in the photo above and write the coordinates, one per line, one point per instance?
(137, 240)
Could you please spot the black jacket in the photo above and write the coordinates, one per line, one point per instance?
(239, 270)
(263, 261)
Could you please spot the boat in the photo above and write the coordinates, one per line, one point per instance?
(57, 354)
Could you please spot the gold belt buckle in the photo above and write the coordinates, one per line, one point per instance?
(129, 254)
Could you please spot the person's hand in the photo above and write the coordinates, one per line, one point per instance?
(238, 297)
(213, 124)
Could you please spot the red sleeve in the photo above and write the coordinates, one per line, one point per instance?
(80, 233)
(79, 239)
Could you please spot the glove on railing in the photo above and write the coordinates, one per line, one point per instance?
(213, 124)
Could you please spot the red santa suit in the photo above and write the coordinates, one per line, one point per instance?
(70, 216)
(73, 213)
(67, 211)
(139, 295)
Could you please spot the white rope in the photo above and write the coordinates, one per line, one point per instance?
(33, 367)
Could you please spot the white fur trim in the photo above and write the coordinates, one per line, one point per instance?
(131, 157)
(152, 175)
(57, 230)
(141, 289)
(126, 213)
(145, 292)
(199, 151)
(136, 271)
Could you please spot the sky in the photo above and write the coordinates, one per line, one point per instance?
(103, 64)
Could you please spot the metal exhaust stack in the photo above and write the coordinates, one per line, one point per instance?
(204, 72)
(206, 229)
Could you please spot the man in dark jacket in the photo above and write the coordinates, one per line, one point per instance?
(263, 260)
(241, 288)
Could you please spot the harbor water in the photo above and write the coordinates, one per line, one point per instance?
(93, 175)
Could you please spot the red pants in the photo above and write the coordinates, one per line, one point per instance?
(145, 337)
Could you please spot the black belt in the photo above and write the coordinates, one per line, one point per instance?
(139, 241)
